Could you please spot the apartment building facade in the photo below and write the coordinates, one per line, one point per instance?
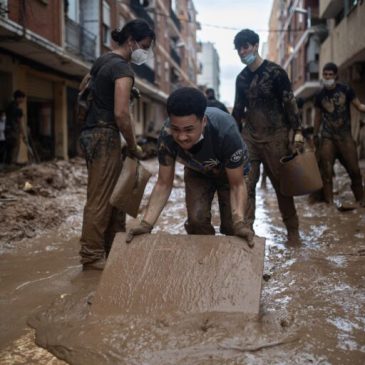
(46, 47)
(209, 68)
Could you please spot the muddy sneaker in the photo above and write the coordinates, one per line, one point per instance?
(95, 265)
(293, 238)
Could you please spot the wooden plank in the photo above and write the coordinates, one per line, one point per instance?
(161, 273)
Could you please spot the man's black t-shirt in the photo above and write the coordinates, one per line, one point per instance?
(105, 71)
(260, 98)
(221, 147)
(334, 105)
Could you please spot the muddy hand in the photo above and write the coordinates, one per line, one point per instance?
(142, 228)
(136, 152)
(240, 229)
(298, 142)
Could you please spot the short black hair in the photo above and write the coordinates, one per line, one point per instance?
(18, 94)
(330, 66)
(210, 93)
(138, 29)
(245, 37)
(186, 101)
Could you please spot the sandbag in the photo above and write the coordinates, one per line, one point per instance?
(128, 191)
(299, 174)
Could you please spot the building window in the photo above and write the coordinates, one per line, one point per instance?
(106, 24)
(350, 5)
(72, 9)
(4, 8)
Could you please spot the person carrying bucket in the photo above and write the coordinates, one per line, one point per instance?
(266, 110)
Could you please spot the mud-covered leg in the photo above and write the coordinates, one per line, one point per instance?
(199, 193)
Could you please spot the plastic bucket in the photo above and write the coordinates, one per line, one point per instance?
(299, 174)
(128, 191)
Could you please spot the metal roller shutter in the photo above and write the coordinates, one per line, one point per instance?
(39, 88)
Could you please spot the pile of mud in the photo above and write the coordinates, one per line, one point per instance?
(30, 197)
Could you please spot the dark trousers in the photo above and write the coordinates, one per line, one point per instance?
(345, 150)
(269, 153)
(199, 194)
(11, 148)
(102, 149)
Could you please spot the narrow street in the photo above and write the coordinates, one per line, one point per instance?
(312, 304)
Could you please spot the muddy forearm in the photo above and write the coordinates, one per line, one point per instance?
(124, 124)
(238, 198)
(316, 123)
(159, 197)
(291, 109)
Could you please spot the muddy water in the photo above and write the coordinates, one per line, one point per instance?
(312, 305)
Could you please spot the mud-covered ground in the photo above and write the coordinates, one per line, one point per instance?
(313, 296)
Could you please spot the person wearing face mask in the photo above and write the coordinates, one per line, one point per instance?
(332, 125)
(108, 116)
(207, 142)
(266, 110)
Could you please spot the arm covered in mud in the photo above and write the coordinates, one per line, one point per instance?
(316, 127)
(291, 111)
(158, 199)
(238, 112)
(238, 200)
(358, 105)
(122, 114)
(283, 87)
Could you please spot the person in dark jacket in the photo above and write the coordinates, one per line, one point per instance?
(212, 101)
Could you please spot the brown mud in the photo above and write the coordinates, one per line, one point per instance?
(312, 304)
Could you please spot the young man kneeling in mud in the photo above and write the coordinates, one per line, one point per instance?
(207, 142)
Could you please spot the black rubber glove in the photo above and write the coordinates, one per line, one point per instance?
(142, 228)
(240, 229)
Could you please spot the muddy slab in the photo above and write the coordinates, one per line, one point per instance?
(162, 273)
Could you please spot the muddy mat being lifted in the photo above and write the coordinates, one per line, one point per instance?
(159, 273)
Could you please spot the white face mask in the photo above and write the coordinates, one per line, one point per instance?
(139, 56)
(249, 59)
(329, 83)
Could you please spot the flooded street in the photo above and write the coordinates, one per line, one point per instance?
(312, 304)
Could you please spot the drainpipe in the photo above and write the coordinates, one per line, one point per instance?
(23, 16)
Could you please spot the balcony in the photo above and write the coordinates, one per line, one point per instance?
(80, 41)
(330, 8)
(141, 12)
(174, 55)
(175, 19)
(312, 71)
(311, 83)
(144, 72)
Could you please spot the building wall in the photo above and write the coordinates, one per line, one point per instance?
(43, 18)
(346, 41)
(274, 26)
(210, 72)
